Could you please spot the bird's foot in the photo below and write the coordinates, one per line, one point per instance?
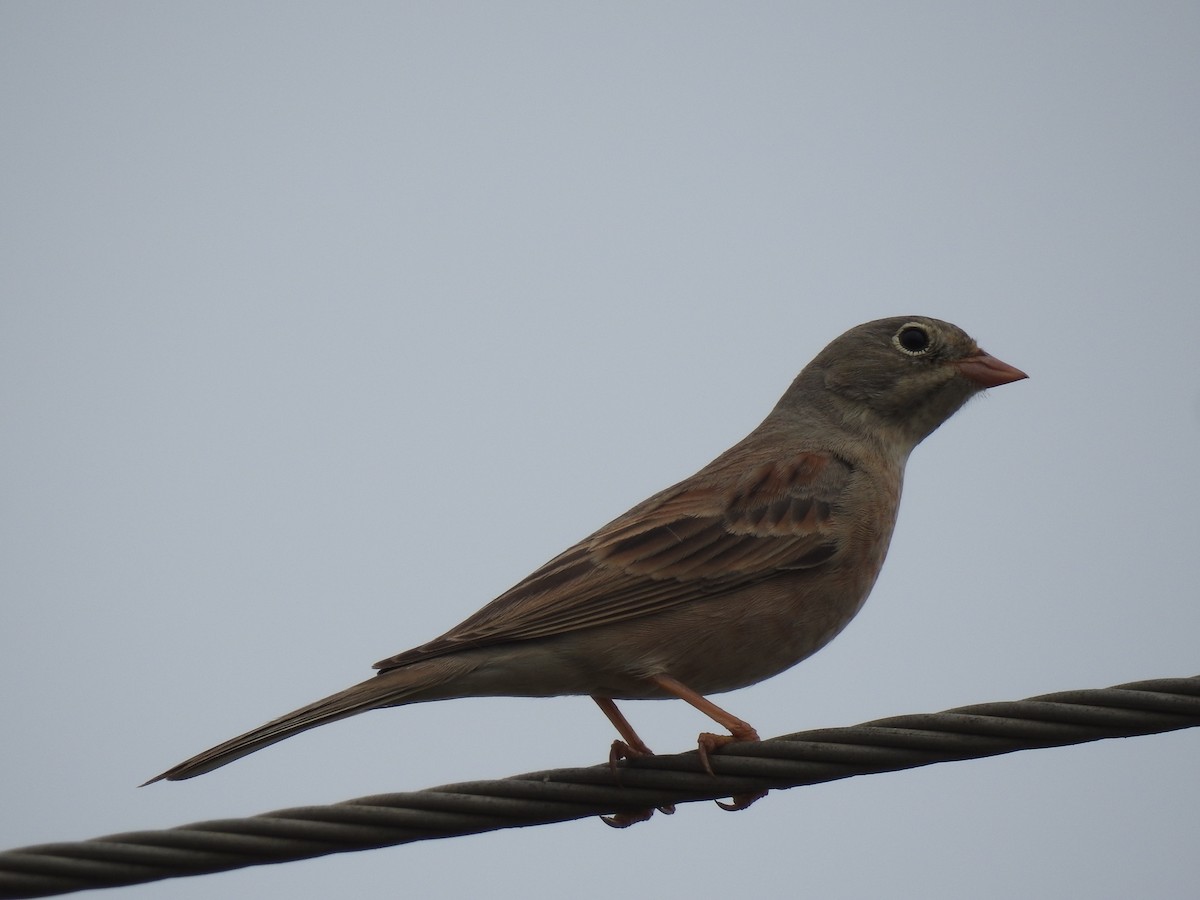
(621, 750)
(617, 752)
(708, 742)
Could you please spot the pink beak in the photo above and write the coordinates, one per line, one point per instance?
(984, 369)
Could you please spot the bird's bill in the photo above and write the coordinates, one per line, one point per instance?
(987, 371)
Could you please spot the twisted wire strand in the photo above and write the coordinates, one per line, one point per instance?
(536, 798)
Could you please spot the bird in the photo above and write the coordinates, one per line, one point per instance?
(725, 579)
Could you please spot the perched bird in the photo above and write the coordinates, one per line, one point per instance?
(729, 577)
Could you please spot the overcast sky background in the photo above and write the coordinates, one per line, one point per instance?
(324, 323)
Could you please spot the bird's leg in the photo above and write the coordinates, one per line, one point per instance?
(707, 742)
(738, 730)
(630, 748)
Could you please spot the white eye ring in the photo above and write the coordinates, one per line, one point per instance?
(898, 339)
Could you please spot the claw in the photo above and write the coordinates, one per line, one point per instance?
(624, 820)
(741, 801)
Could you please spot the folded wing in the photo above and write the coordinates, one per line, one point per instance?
(680, 545)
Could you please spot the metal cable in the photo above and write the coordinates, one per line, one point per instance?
(808, 757)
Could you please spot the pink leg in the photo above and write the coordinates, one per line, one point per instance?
(738, 730)
(707, 742)
(630, 748)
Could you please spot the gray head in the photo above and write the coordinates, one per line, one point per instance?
(904, 376)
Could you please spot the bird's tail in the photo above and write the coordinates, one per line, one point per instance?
(395, 687)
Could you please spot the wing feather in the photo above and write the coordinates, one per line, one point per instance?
(704, 537)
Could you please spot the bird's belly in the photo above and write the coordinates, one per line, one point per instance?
(745, 638)
(712, 645)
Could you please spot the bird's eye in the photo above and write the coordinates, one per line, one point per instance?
(913, 339)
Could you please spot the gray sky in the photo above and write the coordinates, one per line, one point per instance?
(322, 324)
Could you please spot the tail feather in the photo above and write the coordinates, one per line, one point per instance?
(392, 688)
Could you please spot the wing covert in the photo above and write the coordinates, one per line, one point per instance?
(701, 538)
